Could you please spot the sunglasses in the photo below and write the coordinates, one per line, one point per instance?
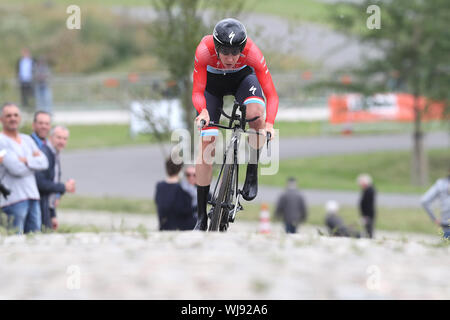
(227, 51)
(190, 174)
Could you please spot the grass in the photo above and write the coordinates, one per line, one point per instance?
(116, 135)
(288, 129)
(413, 220)
(99, 136)
(295, 10)
(109, 204)
(388, 219)
(89, 136)
(390, 171)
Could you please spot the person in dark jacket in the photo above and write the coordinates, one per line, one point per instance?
(291, 207)
(41, 125)
(49, 181)
(367, 203)
(174, 204)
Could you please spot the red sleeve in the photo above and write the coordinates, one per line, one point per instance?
(256, 60)
(202, 56)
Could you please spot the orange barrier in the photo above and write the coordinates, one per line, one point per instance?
(264, 219)
(390, 106)
(111, 83)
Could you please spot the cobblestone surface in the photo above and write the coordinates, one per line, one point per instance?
(142, 263)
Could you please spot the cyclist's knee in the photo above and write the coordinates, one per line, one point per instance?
(255, 110)
(207, 140)
(207, 152)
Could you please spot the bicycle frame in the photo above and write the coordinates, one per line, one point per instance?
(237, 123)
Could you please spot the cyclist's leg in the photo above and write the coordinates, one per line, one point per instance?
(205, 158)
(207, 152)
(250, 94)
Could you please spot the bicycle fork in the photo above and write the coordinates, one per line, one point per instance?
(237, 205)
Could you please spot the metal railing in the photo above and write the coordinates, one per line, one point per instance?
(109, 91)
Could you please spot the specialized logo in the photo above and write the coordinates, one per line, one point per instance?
(252, 89)
(231, 36)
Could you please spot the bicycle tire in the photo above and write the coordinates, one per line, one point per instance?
(223, 191)
(225, 216)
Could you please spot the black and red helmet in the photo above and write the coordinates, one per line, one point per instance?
(230, 36)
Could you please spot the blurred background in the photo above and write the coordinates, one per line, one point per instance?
(361, 91)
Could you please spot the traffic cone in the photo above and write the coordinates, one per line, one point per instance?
(264, 219)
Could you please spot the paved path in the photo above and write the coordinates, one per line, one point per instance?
(133, 171)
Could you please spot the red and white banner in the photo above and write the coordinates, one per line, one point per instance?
(379, 107)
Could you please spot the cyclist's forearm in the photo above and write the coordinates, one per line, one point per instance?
(198, 98)
(271, 106)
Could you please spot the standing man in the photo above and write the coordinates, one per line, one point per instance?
(17, 167)
(367, 203)
(42, 90)
(24, 70)
(41, 127)
(227, 62)
(291, 207)
(49, 181)
(440, 190)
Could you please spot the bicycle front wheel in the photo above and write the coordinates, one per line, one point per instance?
(221, 198)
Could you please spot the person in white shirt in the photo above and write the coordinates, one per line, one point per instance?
(21, 159)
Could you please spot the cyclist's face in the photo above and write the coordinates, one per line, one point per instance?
(229, 60)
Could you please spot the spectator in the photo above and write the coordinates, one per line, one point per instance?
(189, 184)
(335, 224)
(49, 180)
(17, 168)
(174, 205)
(441, 190)
(24, 68)
(367, 203)
(42, 91)
(41, 127)
(291, 207)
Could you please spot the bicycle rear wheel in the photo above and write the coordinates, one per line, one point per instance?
(225, 186)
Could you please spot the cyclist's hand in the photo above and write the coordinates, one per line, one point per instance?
(438, 222)
(204, 115)
(269, 128)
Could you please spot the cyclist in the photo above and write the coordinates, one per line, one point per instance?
(229, 63)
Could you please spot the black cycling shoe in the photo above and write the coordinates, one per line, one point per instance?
(250, 189)
(202, 223)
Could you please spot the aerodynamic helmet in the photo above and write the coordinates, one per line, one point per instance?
(229, 36)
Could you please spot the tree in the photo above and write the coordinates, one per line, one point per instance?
(179, 27)
(411, 47)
